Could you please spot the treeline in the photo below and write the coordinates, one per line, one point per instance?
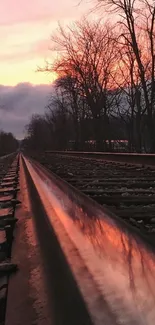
(58, 133)
(8, 143)
(105, 86)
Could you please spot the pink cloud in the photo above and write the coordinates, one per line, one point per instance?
(19, 11)
(41, 46)
(25, 29)
(26, 52)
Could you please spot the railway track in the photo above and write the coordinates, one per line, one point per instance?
(99, 270)
(78, 262)
(127, 190)
(9, 172)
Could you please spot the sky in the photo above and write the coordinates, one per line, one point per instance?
(25, 29)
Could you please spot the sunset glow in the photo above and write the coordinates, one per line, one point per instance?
(25, 36)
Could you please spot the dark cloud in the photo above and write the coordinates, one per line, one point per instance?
(18, 103)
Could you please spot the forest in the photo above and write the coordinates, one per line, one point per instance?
(104, 89)
(8, 143)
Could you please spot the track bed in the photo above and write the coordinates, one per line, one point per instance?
(128, 191)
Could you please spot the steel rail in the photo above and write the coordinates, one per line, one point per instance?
(128, 190)
(131, 158)
(112, 265)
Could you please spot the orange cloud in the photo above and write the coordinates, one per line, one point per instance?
(25, 29)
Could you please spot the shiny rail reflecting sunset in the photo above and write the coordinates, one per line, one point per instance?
(118, 267)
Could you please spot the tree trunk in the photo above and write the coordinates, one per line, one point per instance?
(98, 133)
(138, 134)
(151, 130)
(76, 125)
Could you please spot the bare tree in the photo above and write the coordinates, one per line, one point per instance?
(86, 62)
(130, 106)
(137, 28)
(8, 143)
(38, 135)
(57, 120)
